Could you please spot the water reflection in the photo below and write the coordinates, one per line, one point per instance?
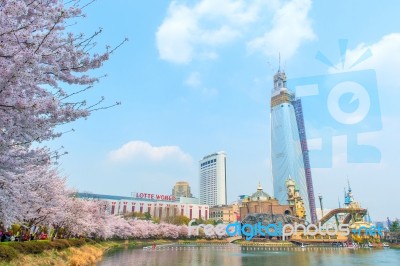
(237, 256)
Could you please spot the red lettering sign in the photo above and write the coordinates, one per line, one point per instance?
(141, 195)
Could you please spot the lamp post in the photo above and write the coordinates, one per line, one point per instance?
(320, 203)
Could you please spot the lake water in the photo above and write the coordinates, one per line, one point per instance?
(233, 255)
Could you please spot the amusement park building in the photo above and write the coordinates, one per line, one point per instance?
(261, 202)
(158, 206)
(225, 213)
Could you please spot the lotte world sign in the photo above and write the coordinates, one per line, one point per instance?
(152, 196)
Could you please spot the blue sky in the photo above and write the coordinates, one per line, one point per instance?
(195, 78)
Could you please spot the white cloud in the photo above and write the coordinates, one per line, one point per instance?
(193, 80)
(290, 27)
(184, 28)
(141, 150)
(174, 36)
(197, 31)
(236, 12)
(385, 60)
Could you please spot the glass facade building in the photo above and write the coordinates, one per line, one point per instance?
(289, 153)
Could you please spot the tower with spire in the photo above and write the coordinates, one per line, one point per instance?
(289, 151)
(295, 199)
(348, 197)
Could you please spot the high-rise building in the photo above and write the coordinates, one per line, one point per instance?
(289, 152)
(181, 189)
(213, 179)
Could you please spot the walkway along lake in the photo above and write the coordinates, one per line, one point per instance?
(233, 255)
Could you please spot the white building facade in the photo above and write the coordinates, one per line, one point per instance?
(120, 205)
(213, 179)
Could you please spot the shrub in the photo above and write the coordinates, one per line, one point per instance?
(30, 247)
(18, 246)
(10, 250)
(35, 247)
(77, 242)
(59, 244)
(7, 253)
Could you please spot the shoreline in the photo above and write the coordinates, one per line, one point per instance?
(92, 252)
(85, 254)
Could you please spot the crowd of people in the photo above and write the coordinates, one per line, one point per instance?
(22, 234)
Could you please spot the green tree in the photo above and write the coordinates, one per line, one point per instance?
(147, 216)
(181, 220)
(177, 220)
(200, 221)
(135, 215)
(395, 226)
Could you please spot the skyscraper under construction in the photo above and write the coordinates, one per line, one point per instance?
(289, 151)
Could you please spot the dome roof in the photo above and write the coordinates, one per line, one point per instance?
(259, 195)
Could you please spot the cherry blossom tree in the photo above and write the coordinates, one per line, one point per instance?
(121, 228)
(43, 71)
(42, 66)
(75, 217)
(88, 217)
(169, 230)
(183, 231)
(31, 196)
(44, 194)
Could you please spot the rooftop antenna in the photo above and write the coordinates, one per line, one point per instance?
(279, 69)
(320, 203)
